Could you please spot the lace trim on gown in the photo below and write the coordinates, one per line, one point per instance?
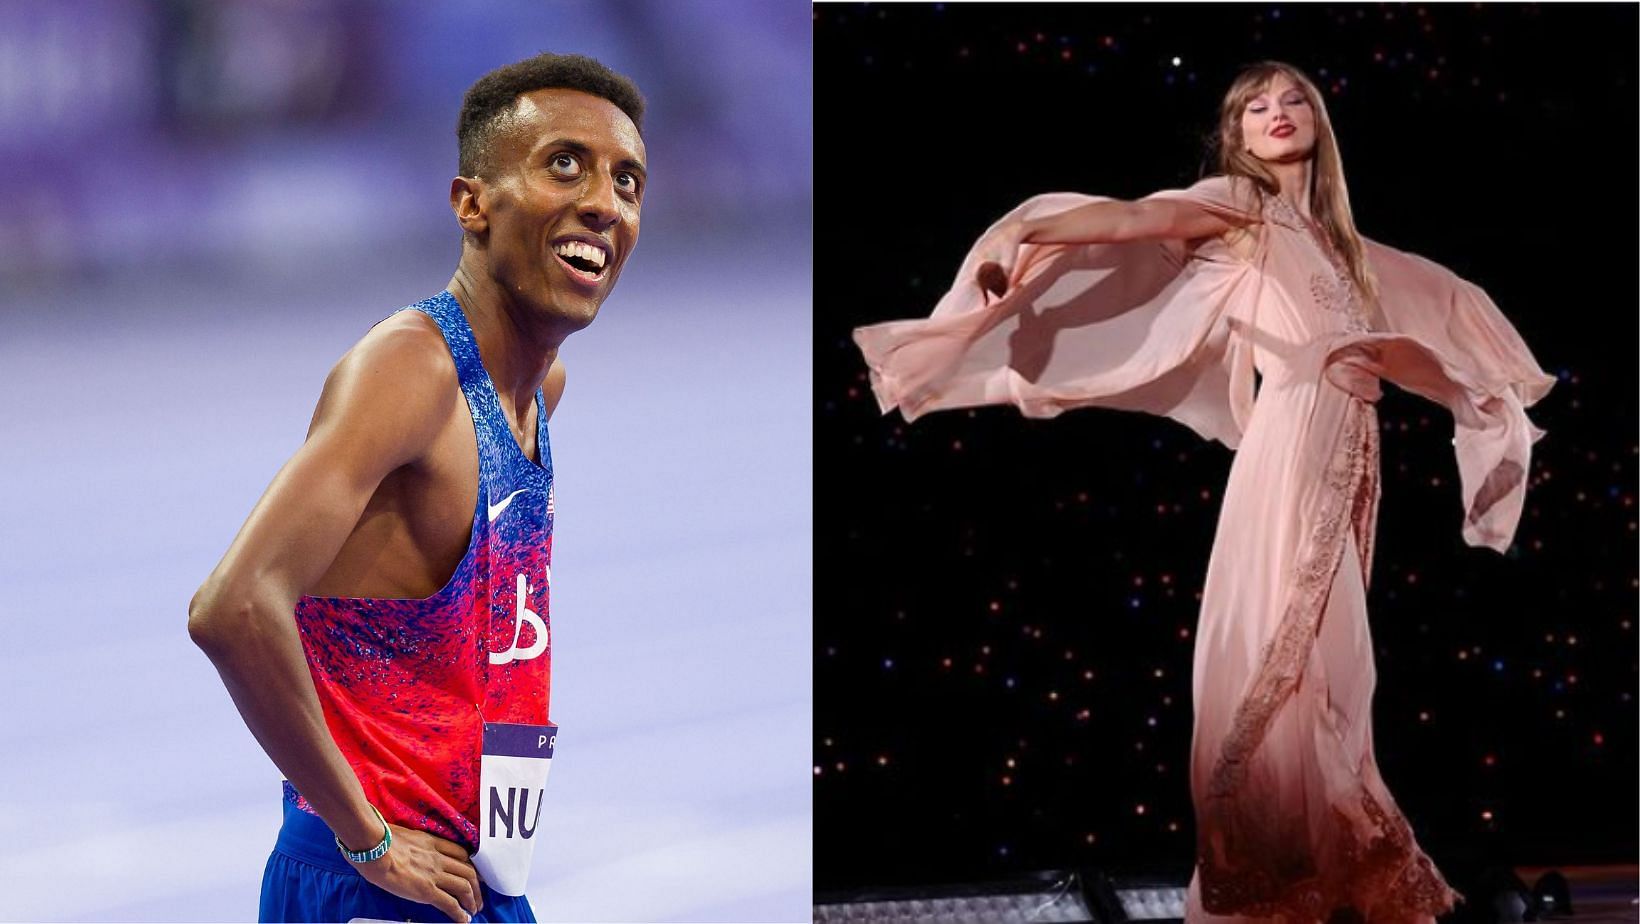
(1388, 866)
(1284, 655)
(1333, 291)
(1391, 865)
(1385, 868)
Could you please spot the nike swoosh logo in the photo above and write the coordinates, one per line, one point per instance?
(495, 509)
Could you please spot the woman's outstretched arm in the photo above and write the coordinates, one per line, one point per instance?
(1116, 221)
(1106, 222)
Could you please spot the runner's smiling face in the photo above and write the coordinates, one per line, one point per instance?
(563, 202)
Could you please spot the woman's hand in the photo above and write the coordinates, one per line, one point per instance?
(428, 869)
(999, 254)
(992, 278)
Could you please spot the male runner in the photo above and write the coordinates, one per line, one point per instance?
(411, 533)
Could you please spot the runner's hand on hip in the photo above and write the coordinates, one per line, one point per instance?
(429, 869)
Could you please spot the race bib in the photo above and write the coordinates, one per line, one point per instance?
(512, 779)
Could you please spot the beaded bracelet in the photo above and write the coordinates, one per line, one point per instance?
(374, 853)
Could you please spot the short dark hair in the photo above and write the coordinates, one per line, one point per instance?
(490, 100)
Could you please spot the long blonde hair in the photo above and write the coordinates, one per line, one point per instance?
(1329, 197)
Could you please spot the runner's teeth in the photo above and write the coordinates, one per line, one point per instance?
(587, 252)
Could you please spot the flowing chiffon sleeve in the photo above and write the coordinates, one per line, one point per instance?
(1433, 305)
(1450, 343)
(1140, 326)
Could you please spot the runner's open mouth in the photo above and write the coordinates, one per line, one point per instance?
(587, 258)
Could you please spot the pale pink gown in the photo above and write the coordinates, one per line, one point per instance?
(1293, 819)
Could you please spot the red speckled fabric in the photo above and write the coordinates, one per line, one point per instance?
(406, 685)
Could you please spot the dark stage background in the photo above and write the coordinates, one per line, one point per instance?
(1005, 608)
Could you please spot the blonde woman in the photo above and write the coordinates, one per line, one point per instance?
(1250, 309)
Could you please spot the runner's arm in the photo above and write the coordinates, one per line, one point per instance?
(379, 410)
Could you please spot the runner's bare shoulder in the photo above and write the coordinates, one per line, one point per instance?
(396, 385)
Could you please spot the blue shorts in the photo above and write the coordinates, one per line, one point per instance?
(307, 879)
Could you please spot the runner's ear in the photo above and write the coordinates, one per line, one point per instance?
(467, 201)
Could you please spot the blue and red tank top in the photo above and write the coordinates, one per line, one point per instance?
(407, 685)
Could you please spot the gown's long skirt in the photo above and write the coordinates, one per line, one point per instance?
(1293, 820)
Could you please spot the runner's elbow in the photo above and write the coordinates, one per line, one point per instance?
(216, 616)
(205, 618)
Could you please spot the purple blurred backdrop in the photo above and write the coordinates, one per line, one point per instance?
(208, 203)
